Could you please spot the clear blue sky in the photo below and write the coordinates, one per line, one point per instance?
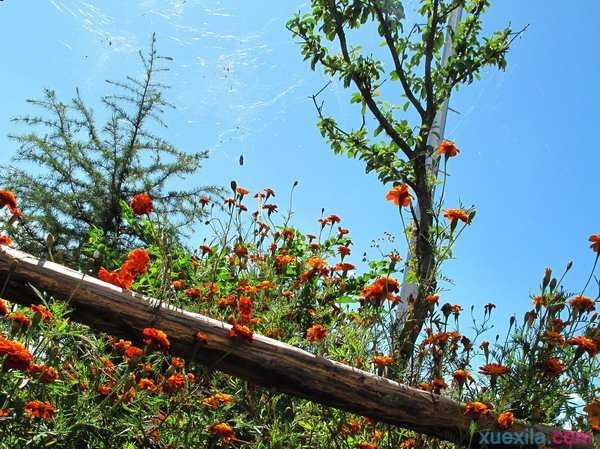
(529, 154)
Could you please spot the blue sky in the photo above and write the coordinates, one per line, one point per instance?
(528, 161)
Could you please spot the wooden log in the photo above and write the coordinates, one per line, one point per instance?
(264, 361)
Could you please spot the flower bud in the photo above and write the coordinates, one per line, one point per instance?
(547, 277)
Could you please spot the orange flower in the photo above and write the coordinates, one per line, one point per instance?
(104, 389)
(343, 266)
(506, 420)
(175, 382)
(178, 284)
(42, 311)
(240, 331)
(460, 376)
(5, 240)
(380, 289)
(20, 319)
(399, 195)
(316, 333)
(147, 384)
(343, 251)
(447, 148)
(45, 374)
(316, 262)
(137, 262)
(595, 239)
(223, 430)
(9, 200)
(3, 308)
(383, 360)
(477, 409)
(539, 301)
(586, 344)
(216, 400)
(38, 409)
(204, 200)
(141, 204)
(156, 338)
(582, 303)
(245, 306)
(4, 413)
(553, 367)
(432, 299)
(438, 384)
(454, 215)
(193, 293)
(242, 192)
(409, 443)
(366, 446)
(133, 352)
(351, 428)
(201, 337)
(554, 338)
(494, 369)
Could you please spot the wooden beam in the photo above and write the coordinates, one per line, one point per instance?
(264, 361)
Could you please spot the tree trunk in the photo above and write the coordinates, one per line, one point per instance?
(263, 361)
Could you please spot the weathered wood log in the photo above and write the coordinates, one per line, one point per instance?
(264, 361)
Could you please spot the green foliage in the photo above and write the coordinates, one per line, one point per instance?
(72, 173)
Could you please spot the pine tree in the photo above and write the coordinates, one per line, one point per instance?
(71, 175)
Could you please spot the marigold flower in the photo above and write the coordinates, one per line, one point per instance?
(45, 374)
(8, 199)
(383, 360)
(595, 239)
(506, 420)
(343, 266)
(454, 215)
(223, 431)
(204, 200)
(241, 331)
(432, 299)
(582, 303)
(494, 369)
(316, 263)
(3, 308)
(178, 284)
(399, 195)
(241, 191)
(460, 376)
(177, 362)
(137, 262)
(365, 445)
(104, 389)
(343, 251)
(193, 293)
(156, 338)
(539, 301)
(477, 409)
(147, 384)
(216, 400)
(20, 319)
(42, 311)
(39, 409)
(121, 345)
(447, 148)
(586, 344)
(553, 367)
(175, 382)
(438, 385)
(554, 338)
(141, 204)
(316, 333)
(201, 337)
(133, 352)
(5, 240)
(409, 443)
(380, 289)
(351, 427)
(333, 219)
(4, 413)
